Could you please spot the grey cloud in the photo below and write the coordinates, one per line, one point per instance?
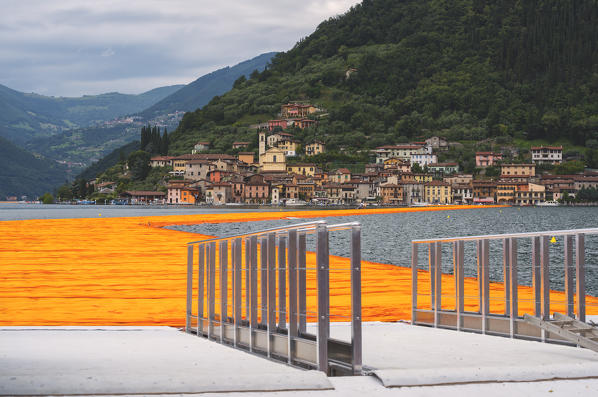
(75, 47)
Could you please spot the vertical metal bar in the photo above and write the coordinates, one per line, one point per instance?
(223, 287)
(247, 276)
(485, 267)
(514, 309)
(264, 280)
(301, 264)
(569, 270)
(438, 282)
(414, 261)
(536, 280)
(460, 287)
(282, 282)
(237, 308)
(292, 279)
(580, 258)
(253, 272)
(200, 287)
(545, 276)
(211, 289)
(322, 264)
(356, 342)
(506, 266)
(189, 287)
(480, 273)
(271, 289)
(432, 270)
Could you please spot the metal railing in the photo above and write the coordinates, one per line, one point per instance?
(448, 310)
(275, 325)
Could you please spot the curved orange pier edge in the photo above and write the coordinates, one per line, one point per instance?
(130, 271)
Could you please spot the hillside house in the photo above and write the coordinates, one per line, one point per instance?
(198, 169)
(200, 147)
(295, 110)
(315, 148)
(547, 154)
(161, 161)
(307, 169)
(517, 170)
(487, 159)
(240, 145)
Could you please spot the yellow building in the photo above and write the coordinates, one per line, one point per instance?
(505, 192)
(518, 170)
(289, 146)
(315, 148)
(302, 169)
(423, 178)
(437, 192)
(179, 166)
(273, 159)
(246, 157)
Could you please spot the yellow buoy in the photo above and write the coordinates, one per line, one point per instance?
(553, 240)
(448, 216)
(99, 214)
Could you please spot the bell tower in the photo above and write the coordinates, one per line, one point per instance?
(262, 142)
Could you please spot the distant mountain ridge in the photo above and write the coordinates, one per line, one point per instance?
(199, 92)
(21, 173)
(25, 117)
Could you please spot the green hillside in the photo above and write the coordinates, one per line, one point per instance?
(199, 92)
(26, 117)
(389, 71)
(23, 174)
(109, 160)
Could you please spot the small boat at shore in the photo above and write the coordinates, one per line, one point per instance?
(549, 203)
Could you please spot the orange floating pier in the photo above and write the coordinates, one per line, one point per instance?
(130, 271)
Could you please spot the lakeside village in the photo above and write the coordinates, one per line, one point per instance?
(399, 175)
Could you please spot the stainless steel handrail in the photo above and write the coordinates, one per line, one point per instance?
(260, 232)
(568, 232)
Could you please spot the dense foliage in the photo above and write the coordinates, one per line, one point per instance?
(117, 155)
(390, 71)
(21, 173)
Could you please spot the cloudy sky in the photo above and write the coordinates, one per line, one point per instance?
(77, 47)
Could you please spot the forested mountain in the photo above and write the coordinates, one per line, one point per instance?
(23, 174)
(390, 71)
(199, 92)
(24, 117)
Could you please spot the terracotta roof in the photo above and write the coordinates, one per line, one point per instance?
(546, 147)
(488, 154)
(144, 193)
(161, 158)
(343, 171)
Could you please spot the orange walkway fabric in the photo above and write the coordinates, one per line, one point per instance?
(129, 271)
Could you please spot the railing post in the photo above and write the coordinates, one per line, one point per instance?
(459, 282)
(237, 280)
(189, 287)
(264, 280)
(545, 277)
(580, 253)
(485, 284)
(536, 276)
(200, 287)
(514, 301)
(247, 276)
(569, 270)
(223, 287)
(322, 263)
(480, 274)
(506, 267)
(211, 289)
(356, 299)
(301, 276)
(253, 272)
(292, 280)
(438, 283)
(282, 281)
(271, 290)
(432, 270)
(414, 261)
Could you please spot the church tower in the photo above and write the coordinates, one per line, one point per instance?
(262, 142)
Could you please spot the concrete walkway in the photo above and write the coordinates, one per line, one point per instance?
(401, 359)
(129, 360)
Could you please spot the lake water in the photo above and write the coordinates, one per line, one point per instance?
(386, 237)
(17, 211)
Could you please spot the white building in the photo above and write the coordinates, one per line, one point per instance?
(547, 154)
(402, 152)
(423, 159)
